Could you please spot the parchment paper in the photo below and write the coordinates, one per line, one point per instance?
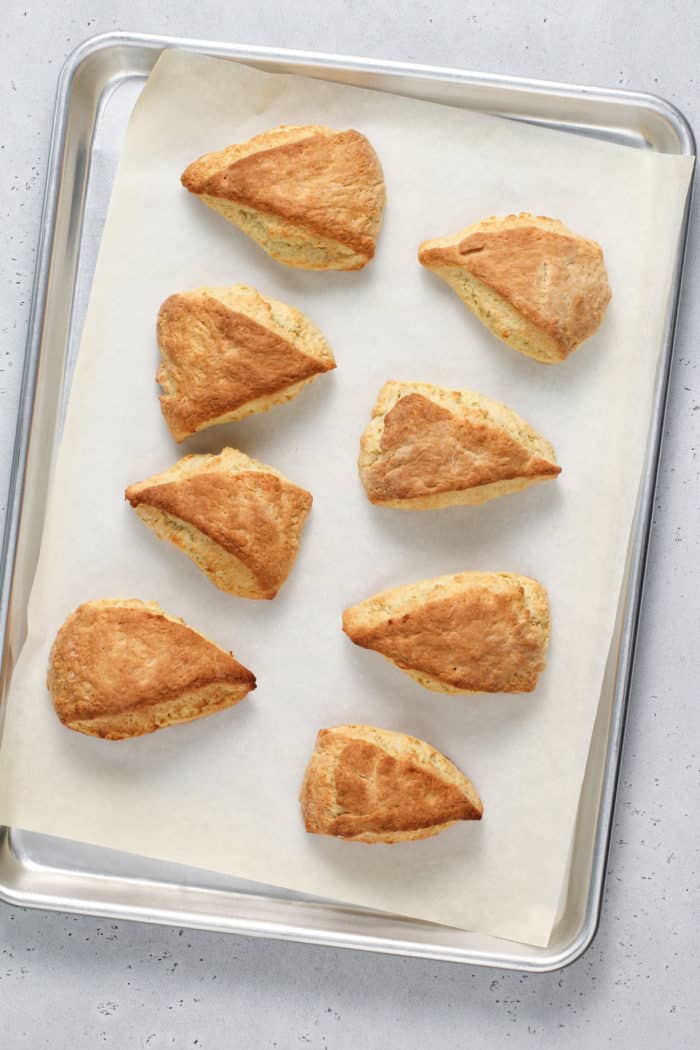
(221, 793)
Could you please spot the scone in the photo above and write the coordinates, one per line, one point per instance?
(310, 196)
(476, 632)
(428, 447)
(372, 785)
(539, 287)
(124, 668)
(239, 521)
(230, 352)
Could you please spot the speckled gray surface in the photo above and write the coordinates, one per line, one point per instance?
(73, 981)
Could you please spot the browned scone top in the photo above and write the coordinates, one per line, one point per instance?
(373, 785)
(240, 521)
(227, 353)
(428, 447)
(122, 668)
(533, 282)
(310, 196)
(475, 632)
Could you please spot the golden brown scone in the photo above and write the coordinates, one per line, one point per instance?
(476, 632)
(428, 447)
(230, 352)
(539, 287)
(239, 521)
(310, 196)
(122, 668)
(372, 785)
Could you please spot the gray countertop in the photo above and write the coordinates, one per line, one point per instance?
(72, 981)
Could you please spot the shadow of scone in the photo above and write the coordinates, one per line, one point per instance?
(239, 520)
(122, 668)
(227, 353)
(428, 447)
(475, 632)
(310, 196)
(535, 284)
(373, 785)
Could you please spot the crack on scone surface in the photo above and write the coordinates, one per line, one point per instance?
(377, 792)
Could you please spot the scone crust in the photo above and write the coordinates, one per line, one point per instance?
(372, 785)
(122, 668)
(315, 183)
(541, 272)
(227, 353)
(238, 519)
(474, 632)
(427, 446)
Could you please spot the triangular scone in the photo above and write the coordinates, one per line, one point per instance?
(122, 668)
(476, 632)
(428, 447)
(230, 352)
(310, 196)
(239, 521)
(373, 785)
(539, 287)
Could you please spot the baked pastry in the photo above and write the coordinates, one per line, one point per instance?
(476, 632)
(310, 196)
(238, 520)
(539, 287)
(119, 669)
(372, 785)
(230, 352)
(429, 447)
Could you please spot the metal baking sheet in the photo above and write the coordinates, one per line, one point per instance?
(96, 94)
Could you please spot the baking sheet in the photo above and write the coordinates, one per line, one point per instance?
(222, 793)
